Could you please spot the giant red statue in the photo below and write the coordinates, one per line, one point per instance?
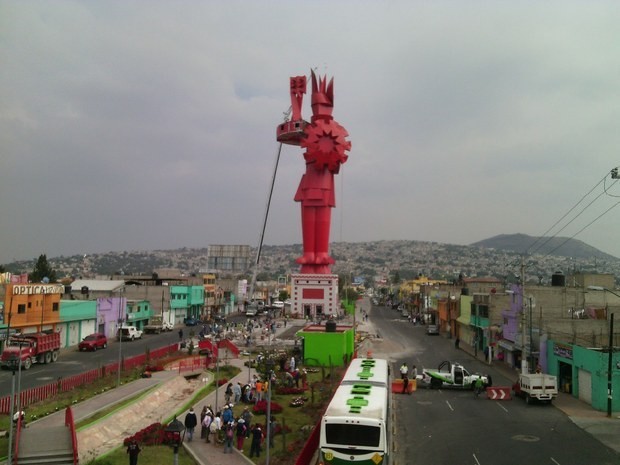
(325, 143)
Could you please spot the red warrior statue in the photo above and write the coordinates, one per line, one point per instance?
(325, 143)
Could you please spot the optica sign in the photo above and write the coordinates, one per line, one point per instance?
(31, 289)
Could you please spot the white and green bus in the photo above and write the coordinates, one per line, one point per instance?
(355, 426)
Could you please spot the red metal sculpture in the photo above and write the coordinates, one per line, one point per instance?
(325, 143)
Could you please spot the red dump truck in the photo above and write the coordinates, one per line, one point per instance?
(30, 348)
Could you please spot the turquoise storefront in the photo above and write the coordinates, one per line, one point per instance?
(584, 373)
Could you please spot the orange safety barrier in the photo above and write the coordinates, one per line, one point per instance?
(397, 386)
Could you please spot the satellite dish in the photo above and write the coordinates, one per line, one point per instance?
(45, 280)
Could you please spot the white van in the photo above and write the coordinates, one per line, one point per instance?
(251, 310)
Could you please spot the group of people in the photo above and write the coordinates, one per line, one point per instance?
(405, 375)
(223, 428)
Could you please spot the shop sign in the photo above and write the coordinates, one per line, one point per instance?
(562, 350)
(32, 289)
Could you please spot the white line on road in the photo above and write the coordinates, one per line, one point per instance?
(450, 406)
(502, 407)
(554, 461)
(476, 459)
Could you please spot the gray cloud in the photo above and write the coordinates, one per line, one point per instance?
(152, 124)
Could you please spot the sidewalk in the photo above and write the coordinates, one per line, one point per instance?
(163, 395)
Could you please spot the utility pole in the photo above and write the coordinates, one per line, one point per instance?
(610, 365)
(524, 367)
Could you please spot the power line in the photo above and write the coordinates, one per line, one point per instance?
(533, 248)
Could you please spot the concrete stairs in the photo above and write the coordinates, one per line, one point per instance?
(45, 446)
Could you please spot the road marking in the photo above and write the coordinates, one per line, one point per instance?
(554, 461)
(476, 459)
(450, 406)
(502, 407)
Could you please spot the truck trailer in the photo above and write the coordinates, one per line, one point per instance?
(26, 349)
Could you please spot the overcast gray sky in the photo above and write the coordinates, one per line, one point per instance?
(151, 124)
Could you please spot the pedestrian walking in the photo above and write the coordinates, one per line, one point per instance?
(180, 334)
(190, 423)
(229, 434)
(237, 392)
(228, 393)
(247, 417)
(405, 385)
(133, 449)
(206, 426)
(404, 370)
(203, 415)
(257, 439)
(241, 433)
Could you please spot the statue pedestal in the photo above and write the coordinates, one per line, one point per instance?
(314, 295)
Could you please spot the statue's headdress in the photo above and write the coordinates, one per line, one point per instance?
(322, 97)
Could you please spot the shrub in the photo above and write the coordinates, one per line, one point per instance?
(289, 390)
(152, 435)
(260, 408)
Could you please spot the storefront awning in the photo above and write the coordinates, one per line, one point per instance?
(506, 344)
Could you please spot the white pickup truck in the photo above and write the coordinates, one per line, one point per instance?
(536, 387)
(128, 333)
(157, 325)
(453, 375)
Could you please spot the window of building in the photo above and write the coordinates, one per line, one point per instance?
(55, 306)
(21, 308)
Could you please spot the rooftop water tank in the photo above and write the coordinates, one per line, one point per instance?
(558, 279)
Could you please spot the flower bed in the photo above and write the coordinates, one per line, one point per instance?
(152, 435)
(260, 408)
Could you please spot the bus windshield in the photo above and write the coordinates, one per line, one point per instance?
(352, 435)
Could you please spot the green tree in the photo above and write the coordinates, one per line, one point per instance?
(42, 269)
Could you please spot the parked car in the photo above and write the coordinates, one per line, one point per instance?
(432, 330)
(277, 304)
(93, 342)
(128, 333)
(191, 321)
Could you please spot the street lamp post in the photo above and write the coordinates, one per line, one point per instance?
(610, 351)
(10, 456)
(217, 369)
(176, 431)
(269, 364)
(120, 336)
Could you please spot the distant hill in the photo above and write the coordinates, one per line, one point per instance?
(555, 246)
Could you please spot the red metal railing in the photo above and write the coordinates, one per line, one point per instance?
(39, 393)
(71, 425)
(310, 447)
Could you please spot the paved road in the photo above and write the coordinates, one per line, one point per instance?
(451, 426)
(71, 361)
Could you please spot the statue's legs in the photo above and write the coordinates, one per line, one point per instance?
(308, 229)
(322, 227)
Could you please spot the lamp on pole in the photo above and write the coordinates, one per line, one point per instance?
(610, 351)
(175, 431)
(269, 364)
(119, 325)
(217, 369)
(10, 456)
